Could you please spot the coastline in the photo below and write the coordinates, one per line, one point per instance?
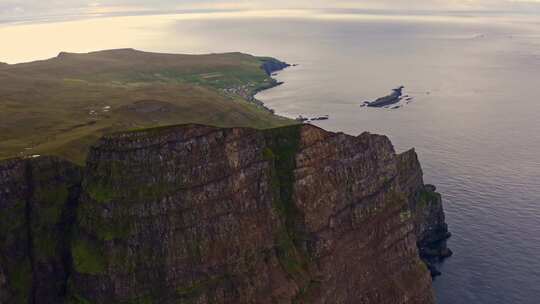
(258, 102)
(270, 66)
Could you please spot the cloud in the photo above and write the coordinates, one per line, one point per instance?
(11, 9)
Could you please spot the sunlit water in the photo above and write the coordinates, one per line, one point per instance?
(474, 120)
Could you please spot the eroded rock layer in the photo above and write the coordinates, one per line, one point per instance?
(196, 214)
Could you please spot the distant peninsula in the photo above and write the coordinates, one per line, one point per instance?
(62, 105)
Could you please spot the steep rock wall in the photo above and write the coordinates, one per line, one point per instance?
(426, 206)
(37, 202)
(196, 214)
(271, 65)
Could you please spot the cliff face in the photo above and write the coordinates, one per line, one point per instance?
(426, 206)
(271, 65)
(196, 214)
(37, 201)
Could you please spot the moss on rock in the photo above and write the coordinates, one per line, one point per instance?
(87, 258)
(282, 147)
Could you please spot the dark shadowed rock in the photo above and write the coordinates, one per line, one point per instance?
(271, 65)
(426, 205)
(37, 204)
(387, 100)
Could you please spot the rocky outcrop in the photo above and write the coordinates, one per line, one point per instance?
(271, 65)
(387, 100)
(196, 214)
(426, 206)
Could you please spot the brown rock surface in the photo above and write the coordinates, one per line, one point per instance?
(196, 214)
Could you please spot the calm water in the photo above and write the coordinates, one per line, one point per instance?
(474, 121)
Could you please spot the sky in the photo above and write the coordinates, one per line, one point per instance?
(13, 9)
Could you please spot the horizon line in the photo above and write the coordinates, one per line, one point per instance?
(79, 15)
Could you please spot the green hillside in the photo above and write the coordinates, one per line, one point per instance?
(62, 105)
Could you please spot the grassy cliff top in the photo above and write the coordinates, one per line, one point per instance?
(62, 105)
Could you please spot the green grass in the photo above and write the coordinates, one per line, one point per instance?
(87, 258)
(90, 220)
(45, 105)
(428, 198)
(100, 193)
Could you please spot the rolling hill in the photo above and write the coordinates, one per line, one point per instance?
(62, 105)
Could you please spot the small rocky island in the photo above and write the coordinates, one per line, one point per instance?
(302, 118)
(388, 100)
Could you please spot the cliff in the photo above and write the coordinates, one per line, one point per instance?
(196, 214)
(426, 207)
(271, 65)
(37, 203)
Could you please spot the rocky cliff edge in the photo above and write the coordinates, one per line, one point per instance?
(196, 214)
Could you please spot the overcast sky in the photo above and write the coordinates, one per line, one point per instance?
(11, 9)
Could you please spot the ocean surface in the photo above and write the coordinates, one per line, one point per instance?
(474, 119)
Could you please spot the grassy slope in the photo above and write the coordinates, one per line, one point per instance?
(46, 105)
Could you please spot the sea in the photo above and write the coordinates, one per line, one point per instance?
(473, 117)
